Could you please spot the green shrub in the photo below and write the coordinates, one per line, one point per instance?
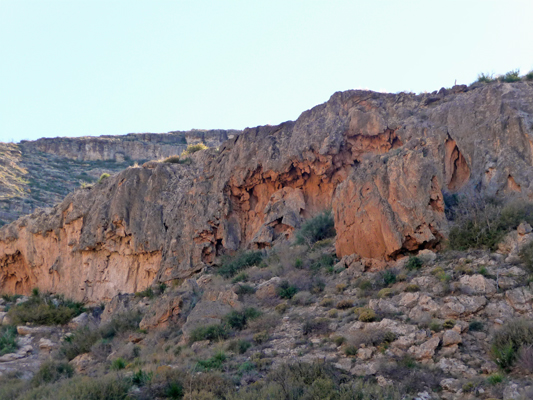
(339, 340)
(388, 277)
(435, 326)
(286, 291)
(11, 298)
(79, 342)
(215, 332)
(350, 351)
(448, 324)
(508, 341)
(344, 304)
(412, 288)
(193, 148)
(232, 265)
(365, 285)
(239, 346)
(51, 372)
(214, 362)
(529, 76)
(121, 323)
(8, 340)
(174, 390)
(326, 302)
(118, 364)
(494, 379)
(475, 326)
(172, 160)
(386, 292)
(318, 228)
(245, 289)
(481, 222)
(239, 319)
(485, 78)
(141, 378)
(366, 315)
(414, 263)
(316, 326)
(511, 76)
(103, 177)
(83, 388)
(261, 337)
(325, 261)
(45, 310)
(148, 292)
(242, 277)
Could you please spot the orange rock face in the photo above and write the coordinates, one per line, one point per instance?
(386, 207)
(380, 161)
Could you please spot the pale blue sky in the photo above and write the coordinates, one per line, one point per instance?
(85, 67)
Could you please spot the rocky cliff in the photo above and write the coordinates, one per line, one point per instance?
(40, 173)
(381, 161)
(134, 146)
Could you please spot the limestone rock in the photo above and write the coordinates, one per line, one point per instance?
(519, 299)
(370, 224)
(455, 306)
(451, 337)
(425, 350)
(267, 290)
(79, 321)
(82, 362)
(478, 284)
(46, 345)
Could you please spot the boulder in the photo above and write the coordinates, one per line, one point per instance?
(451, 337)
(425, 350)
(477, 284)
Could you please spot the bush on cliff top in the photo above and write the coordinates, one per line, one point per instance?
(193, 148)
(318, 228)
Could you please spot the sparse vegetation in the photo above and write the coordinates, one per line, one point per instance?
(193, 148)
(45, 309)
(414, 263)
(482, 222)
(172, 160)
(214, 332)
(8, 340)
(286, 290)
(509, 340)
(511, 76)
(485, 78)
(230, 266)
(318, 228)
(103, 177)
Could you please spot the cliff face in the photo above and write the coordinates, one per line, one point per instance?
(380, 161)
(142, 146)
(39, 174)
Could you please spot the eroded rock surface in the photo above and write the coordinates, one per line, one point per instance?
(381, 161)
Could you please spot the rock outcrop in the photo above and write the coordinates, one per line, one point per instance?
(381, 161)
(40, 173)
(134, 146)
